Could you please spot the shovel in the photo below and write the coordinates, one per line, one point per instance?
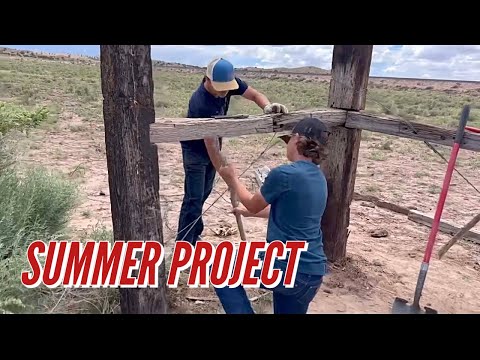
(401, 306)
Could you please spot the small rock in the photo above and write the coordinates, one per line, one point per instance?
(413, 208)
(377, 263)
(224, 230)
(412, 255)
(366, 204)
(328, 291)
(101, 193)
(379, 233)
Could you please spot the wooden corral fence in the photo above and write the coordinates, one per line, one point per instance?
(131, 132)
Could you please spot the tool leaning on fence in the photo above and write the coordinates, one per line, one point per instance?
(458, 235)
(218, 160)
(401, 306)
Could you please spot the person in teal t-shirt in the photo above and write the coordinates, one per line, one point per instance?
(293, 198)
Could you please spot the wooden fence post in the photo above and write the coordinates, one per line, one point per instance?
(128, 110)
(348, 88)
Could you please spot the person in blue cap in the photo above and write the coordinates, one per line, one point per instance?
(211, 98)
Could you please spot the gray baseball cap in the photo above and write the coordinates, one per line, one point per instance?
(310, 127)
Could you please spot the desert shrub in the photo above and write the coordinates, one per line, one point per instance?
(33, 206)
(16, 117)
(6, 155)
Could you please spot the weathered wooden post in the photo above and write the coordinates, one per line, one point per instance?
(348, 89)
(128, 110)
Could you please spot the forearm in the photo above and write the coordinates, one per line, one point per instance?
(265, 213)
(242, 192)
(213, 150)
(261, 100)
(250, 201)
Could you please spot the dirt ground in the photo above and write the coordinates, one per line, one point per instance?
(376, 269)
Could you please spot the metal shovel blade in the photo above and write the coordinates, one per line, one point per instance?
(401, 306)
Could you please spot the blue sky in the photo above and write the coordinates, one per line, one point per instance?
(453, 62)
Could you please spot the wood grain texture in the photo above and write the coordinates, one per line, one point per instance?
(340, 171)
(350, 73)
(460, 234)
(380, 203)
(128, 110)
(397, 126)
(171, 130)
(444, 226)
(348, 85)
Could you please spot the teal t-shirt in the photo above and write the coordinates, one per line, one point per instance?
(297, 193)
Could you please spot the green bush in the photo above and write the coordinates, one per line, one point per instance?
(6, 155)
(19, 118)
(33, 206)
(36, 204)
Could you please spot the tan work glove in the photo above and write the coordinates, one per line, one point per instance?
(275, 108)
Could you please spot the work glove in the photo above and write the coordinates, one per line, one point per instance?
(275, 108)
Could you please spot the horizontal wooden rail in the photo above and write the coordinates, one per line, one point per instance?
(172, 130)
(397, 126)
(168, 130)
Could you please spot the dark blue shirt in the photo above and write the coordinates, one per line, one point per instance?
(297, 193)
(202, 104)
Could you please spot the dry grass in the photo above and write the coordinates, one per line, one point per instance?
(404, 171)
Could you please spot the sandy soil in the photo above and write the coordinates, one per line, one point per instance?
(376, 269)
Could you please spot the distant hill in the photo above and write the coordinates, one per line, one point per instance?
(306, 70)
(311, 70)
(303, 72)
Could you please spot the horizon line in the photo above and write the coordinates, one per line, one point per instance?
(245, 68)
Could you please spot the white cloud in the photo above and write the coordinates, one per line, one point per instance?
(460, 62)
(432, 61)
(455, 62)
(267, 56)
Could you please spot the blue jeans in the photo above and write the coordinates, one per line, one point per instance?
(293, 300)
(199, 178)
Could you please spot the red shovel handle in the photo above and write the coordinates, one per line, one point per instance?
(472, 129)
(446, 183)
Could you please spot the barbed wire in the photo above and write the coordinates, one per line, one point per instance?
(410, 125)
(192, 224)
(269, 145)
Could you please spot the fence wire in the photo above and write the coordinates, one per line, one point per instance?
(270, 145)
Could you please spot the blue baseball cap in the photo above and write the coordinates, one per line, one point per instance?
(222, 75)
